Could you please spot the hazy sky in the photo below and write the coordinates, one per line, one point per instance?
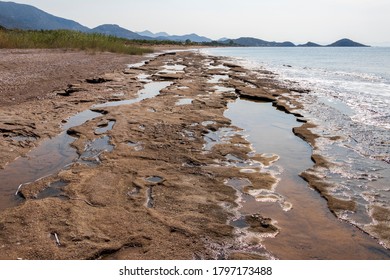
(299, 21)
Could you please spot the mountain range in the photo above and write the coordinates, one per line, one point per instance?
(26, 17)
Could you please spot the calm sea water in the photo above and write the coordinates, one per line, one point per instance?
(359, 77)
(349, 97)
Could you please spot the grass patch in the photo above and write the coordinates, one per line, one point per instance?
(66, 39)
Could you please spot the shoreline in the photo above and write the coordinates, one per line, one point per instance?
(110, 205)
(344, 208)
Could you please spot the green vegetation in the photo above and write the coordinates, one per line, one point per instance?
(180, 43)
(66, 39)
(157, 42)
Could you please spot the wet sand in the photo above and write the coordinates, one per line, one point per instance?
(161, 177)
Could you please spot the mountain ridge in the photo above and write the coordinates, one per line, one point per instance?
(182, 38)
(27, 17)
(153, 35)
(254, 42)
(117, 31)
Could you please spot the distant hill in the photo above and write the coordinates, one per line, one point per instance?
(346, 43)
(254, 42)
(20, 16)
(163, 36)
(182, 38)
(117, 31)
(310, 44)
(150, 34)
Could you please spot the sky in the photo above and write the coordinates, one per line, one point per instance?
(299, 21)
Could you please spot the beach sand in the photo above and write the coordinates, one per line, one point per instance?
(162, 189)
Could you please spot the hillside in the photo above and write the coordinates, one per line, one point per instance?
(254, 42)
(150, 34)
(20, 16)
(310, 44)
(182, 38)
(117, 31)
(346, 43)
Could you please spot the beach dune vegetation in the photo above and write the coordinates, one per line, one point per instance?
(67, 39)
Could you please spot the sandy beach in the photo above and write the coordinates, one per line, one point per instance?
(112, 162)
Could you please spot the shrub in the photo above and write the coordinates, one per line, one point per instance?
(51, 39)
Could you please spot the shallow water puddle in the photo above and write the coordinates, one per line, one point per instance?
(48, 158)
(136, 145)
(142, 63)
(104, 128)
(154, 179)
(81, 118)
(224, 89)
(150, 90)
(219, 67)
(94, 149)
(206, 123)
(240, 223)
(245, 165)
(55, 154)
(150, 198)
(144, 78)
(307, 229)
(215, 79)
(220, 136)
(189, 134)
(238, 183)
(54, 189)
(136, 65)
(173, 69)
(184, 101)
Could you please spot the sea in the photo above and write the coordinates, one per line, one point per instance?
(348, 97)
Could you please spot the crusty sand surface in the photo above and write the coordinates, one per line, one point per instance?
(111, 210)
(29, 75)
(162, 192)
